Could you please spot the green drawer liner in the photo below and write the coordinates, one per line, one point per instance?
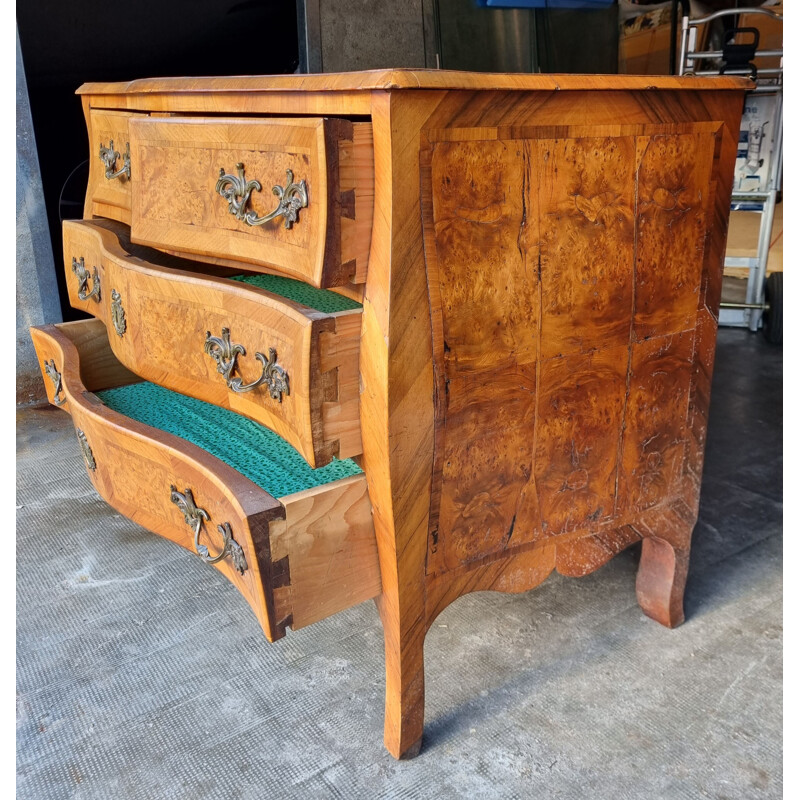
(318, 299)
(250, 448)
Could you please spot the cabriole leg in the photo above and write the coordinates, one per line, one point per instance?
(405, 686)
(661, 580)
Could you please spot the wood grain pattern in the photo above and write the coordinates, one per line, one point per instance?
(329, 542)
(673, 182)
(584, 209)
(99, 367)
(319, 416)
(577, 228)
(488, 295)
(175, 205)
(338, 367)
(308, 555)
(535, 295)
(397, 416)
(356, 179)
(518, 573)
(654, 441)
(527, 567)
(386, 79)
(581, 400)
(582, 556)
(661, 580)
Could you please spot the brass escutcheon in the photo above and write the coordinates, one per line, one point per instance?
(118, 313)
(55, 377)
(88, 456)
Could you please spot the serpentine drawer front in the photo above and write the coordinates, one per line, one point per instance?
(525, 370)
(297, 558)
(260, 353)
(286, 195)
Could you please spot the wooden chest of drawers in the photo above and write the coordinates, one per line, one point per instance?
(407, 335)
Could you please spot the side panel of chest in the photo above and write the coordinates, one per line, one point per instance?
(565, 274)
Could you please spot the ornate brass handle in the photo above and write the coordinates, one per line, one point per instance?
(225, 353)
(236, 190)
(195, 517)
(109, 156)
(55, 376)
(82, 274)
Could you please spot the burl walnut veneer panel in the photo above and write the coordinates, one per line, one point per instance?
(566, 351)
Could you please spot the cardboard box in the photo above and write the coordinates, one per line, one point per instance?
(644, 43)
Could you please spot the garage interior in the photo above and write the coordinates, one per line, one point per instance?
(566, 691)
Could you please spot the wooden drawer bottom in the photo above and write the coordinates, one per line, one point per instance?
(298, 543)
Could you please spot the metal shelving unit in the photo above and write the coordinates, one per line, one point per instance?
(760, 159)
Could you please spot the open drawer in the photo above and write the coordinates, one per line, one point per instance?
(298, 543)
(287, 357)
(292, 196)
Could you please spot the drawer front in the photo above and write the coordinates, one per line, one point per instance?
(286, 366)
(296, 560)
(110, 172)
(292, 196)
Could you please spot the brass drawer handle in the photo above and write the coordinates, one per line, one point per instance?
(55, 376)
(225, 353)
(195, 517)
(109, 156)
(82, 274)
(234, 189)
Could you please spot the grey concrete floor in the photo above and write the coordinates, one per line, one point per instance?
(141, 673)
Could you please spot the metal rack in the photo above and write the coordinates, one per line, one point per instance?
(756, 164)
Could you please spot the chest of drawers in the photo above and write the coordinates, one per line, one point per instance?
(404, 335)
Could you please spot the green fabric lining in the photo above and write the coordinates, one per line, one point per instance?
(318, 299)
(255, 451)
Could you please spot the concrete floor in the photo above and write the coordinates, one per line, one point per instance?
(141, 673)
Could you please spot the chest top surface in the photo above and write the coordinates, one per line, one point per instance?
(391, 79)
